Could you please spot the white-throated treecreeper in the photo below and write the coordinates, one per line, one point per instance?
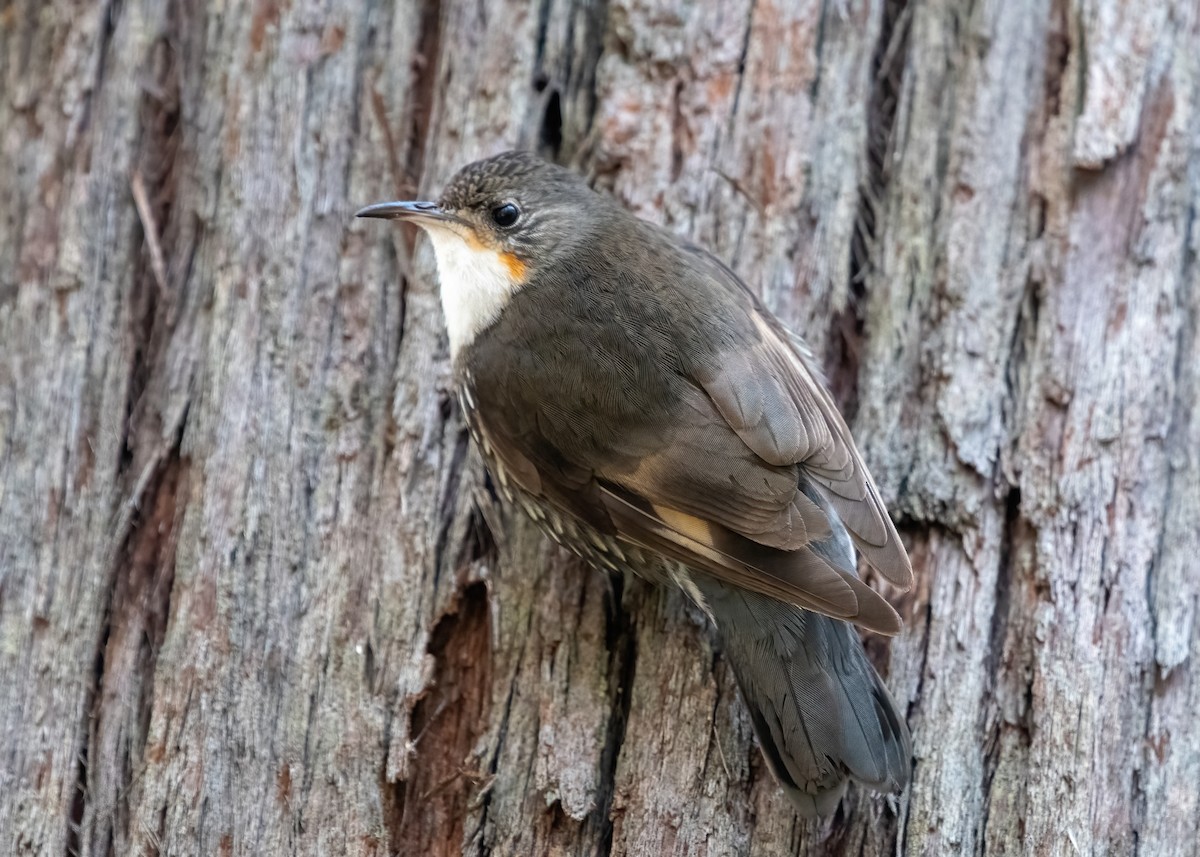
(638, 401)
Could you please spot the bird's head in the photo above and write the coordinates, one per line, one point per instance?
(496, 224)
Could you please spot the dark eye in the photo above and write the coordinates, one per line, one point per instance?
(505, 215)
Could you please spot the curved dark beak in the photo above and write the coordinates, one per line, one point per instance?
(414, 211)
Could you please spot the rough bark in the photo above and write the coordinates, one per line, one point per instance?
(255, 596)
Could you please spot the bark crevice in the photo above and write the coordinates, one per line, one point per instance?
(621, 642)
(428, 810)
(847, 324)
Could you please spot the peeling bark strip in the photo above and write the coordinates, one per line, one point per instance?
(247, 603)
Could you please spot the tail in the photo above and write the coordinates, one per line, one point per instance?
(820, 710)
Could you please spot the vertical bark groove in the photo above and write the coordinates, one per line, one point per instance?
(848, 323)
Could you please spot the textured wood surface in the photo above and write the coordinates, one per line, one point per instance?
(254, 595)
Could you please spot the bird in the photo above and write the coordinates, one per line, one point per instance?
(637, 400)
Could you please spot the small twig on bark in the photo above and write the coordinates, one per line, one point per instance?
(149, 229)
(740, 188)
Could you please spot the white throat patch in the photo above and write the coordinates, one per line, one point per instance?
(476, 284)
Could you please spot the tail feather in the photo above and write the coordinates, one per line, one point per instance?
(820, 711)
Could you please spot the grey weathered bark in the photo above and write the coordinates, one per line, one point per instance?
(247, 601)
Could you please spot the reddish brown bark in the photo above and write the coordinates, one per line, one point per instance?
(254, 597)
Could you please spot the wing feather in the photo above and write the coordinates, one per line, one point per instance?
(773, 398)
(800, 577)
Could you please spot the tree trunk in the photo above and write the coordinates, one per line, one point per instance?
(254, 595)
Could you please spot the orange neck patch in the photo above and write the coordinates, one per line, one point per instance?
(514, 265)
